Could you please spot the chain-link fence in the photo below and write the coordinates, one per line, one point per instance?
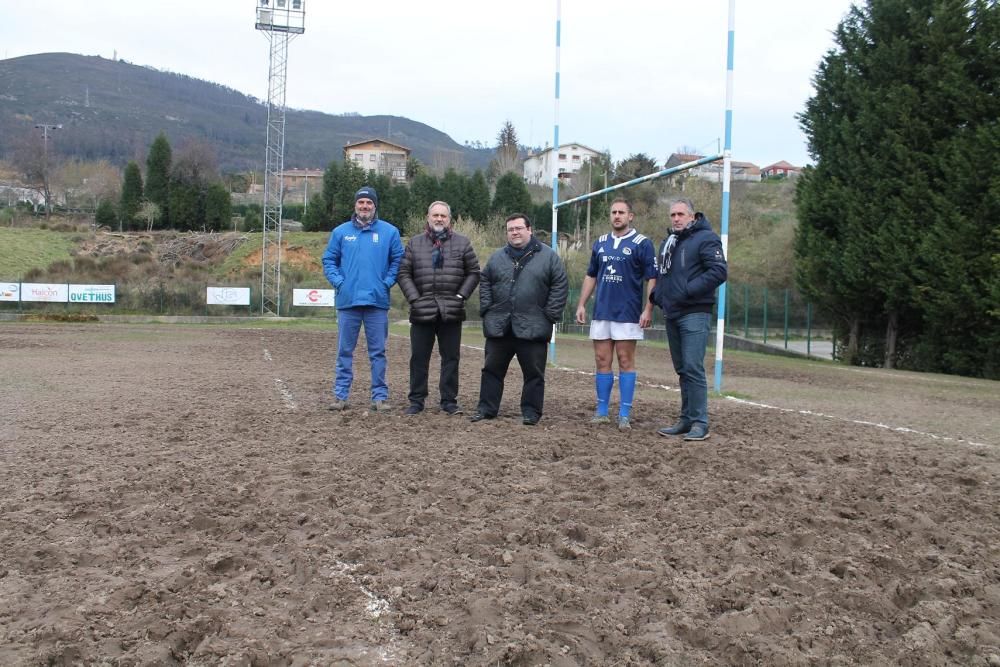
(774, 317)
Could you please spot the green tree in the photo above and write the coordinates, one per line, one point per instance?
(511, 195)
(186, 204)
(158, 164)
(218, 208)
(131, 197)
(634, 166)
(894, 230)
(477, 197)
(426, 189)
(105, 215)
(394, 205)
(507, 151)
(453, 191)
(316, 217)
(191, 175)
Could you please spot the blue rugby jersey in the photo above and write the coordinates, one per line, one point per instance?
(620, 265)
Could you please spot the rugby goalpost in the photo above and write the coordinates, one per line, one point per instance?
(725, 156)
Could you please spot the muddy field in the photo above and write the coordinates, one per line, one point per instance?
(180, 495)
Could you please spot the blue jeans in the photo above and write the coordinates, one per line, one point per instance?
(687, 336)
(349, 321)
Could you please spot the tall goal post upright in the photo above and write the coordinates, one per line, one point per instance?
(725, 156)
(280, 21)
(555, 164)
(727, 152)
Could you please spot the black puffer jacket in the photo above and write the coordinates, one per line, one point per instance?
(432, 291)
(529, 305)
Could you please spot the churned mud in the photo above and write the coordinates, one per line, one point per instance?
(180, 495)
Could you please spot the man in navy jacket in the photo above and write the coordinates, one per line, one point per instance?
(692, 266)
(361, 262)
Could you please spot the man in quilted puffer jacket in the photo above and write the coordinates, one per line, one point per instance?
(439, 272)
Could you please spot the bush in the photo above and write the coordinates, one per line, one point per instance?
(106, 215)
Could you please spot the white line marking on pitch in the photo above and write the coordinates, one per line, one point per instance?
(812, 413)
(286, 394)
(887, 427)
(376, 607)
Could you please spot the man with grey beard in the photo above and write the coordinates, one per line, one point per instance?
(437, 276)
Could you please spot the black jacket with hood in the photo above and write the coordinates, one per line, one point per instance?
(691, 273)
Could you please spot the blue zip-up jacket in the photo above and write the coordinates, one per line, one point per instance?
(697, 267)
(362, 264)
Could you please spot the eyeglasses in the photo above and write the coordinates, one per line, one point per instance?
(516, 229)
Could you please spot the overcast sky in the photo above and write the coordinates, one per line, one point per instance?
(637, 75)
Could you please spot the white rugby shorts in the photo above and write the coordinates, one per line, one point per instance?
(608, 330)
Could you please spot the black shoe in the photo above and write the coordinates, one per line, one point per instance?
(530, 421)
(680, 428)
(414, 410)
(478, 417)
(697, 432)
(451, 410)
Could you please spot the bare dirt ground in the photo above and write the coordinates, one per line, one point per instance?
(180, 495)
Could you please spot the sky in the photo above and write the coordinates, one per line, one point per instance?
(636, 75)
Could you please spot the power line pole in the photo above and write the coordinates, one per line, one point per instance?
(280, 21)
(45, 128)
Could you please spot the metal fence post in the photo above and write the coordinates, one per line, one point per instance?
(808, 328)
(746, 310)
(765, 316)
(786, 318)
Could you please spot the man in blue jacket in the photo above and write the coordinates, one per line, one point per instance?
(361, 262)
(692, 266)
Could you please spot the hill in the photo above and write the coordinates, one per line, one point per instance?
(113, 110)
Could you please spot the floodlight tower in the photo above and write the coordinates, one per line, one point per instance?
(280, 21)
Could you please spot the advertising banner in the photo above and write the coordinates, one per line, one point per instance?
(56, 293)
(10, 291)
(313, 297)
(228, 296)
(92, 293)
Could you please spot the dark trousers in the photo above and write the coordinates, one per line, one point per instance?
(531, 356)
(449, 340)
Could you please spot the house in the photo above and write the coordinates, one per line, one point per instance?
(297, 183)
(303, 179)
(540, 168)
(13, 193)
(677, 159)
(739, 171)
(381, 156)
(780, 170)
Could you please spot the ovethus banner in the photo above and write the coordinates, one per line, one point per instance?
(92, 293)
(228, 296)
(313, 297)
(10, 291)
(57, 293)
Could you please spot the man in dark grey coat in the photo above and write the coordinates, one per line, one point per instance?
(438, 273)
(521, 295)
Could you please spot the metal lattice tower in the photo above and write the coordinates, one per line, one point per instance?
(280, 21)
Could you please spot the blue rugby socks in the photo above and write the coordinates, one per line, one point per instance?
(604, 383)
(626, 387)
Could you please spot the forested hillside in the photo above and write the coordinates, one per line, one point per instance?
(113, 110)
